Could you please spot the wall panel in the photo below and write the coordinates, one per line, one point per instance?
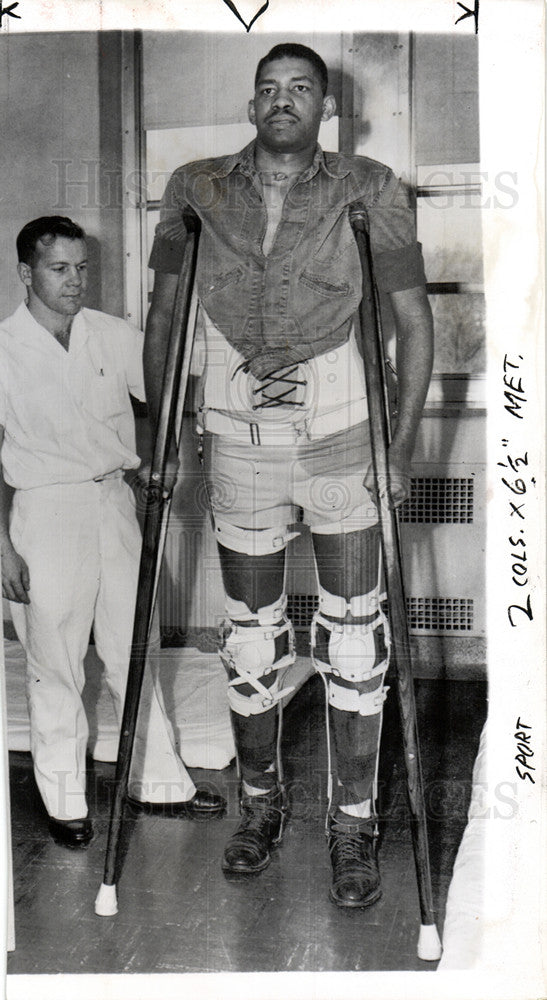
(57, 149)
(200, 78)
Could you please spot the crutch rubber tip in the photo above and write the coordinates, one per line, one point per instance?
(106, 904)
(429, 943)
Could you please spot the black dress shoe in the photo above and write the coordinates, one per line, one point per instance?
(203, 805)
(260, 828)
(355, 875)
(71, 832)
(206, 803)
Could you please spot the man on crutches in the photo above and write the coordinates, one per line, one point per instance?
(285, 434)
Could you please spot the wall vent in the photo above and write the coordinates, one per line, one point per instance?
(426, 614)
(438, 501)
(300, 609)
(440, 614)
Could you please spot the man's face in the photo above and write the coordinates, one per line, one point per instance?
(288, 106)
(58, 277)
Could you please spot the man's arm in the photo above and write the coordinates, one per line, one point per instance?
(414, 326)
(156, 341)
(15, 574)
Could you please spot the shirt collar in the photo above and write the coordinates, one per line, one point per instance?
(27, 328)
(333, 164)
(244, 159)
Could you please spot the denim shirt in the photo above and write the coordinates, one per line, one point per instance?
(298, 301)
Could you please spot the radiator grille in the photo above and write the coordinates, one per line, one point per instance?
(300, 609)
(440, 614)
(427, 614)
(438, 501)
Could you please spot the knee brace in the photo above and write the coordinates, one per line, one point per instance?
(352, 657)
(256, 650)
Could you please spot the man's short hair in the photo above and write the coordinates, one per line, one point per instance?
(45, 230)
(292, 50)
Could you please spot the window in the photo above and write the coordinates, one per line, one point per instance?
(445, 119)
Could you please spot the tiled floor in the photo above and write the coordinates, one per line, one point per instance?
(177, 912)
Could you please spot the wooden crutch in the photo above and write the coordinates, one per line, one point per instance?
(429, 945)
(158, 500)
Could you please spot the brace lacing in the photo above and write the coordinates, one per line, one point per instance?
(285, 379)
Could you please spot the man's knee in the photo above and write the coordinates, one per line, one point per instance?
(352, 656)
(256, 650)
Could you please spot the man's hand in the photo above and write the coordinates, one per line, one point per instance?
(15, 575)
(170, 477)
(398, 487)
(414, 324)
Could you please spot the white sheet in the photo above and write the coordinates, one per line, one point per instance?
(464, 921)
(194, 688)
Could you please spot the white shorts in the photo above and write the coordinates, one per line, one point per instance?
(320, 482)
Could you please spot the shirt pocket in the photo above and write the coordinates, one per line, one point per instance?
(323, 287)
(223, 281)
(106, 397)
(334, 245)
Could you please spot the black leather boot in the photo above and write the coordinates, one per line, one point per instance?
(355, 875)
(260, 828)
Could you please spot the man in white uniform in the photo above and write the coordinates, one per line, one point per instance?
(69, 536)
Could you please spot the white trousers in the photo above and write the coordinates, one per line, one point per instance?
(82, 546)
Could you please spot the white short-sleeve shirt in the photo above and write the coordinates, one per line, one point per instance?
(67, 415)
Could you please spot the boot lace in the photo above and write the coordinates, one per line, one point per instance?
(355, 849)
